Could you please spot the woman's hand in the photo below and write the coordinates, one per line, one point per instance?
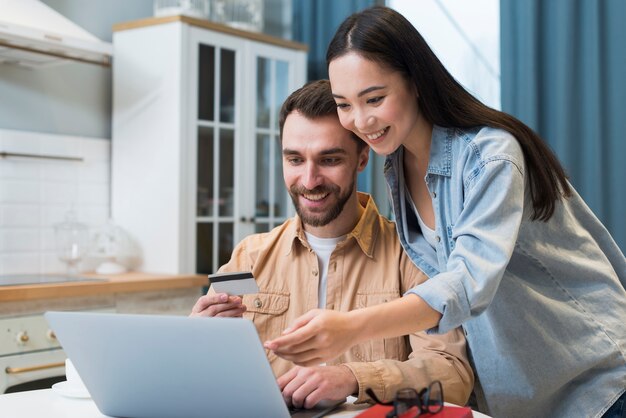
(322, 335)
(316, 337)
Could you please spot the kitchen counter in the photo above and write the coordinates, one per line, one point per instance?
(27, 342)
(121, 283)
(133, 292)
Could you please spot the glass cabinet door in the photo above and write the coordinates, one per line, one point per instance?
(215, 157)
(237, 88)
(272, 203)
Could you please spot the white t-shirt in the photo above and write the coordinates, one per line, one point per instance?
(323, 248)
(429, 234)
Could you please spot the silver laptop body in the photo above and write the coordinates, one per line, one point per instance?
(167, 366)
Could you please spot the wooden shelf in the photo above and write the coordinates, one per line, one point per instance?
(207, 24)
(123, 283)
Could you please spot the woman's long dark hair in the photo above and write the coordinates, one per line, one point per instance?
(383, 35)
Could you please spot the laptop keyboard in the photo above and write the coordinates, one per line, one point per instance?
(315, 412)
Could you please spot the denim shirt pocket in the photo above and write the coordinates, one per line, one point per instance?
(268, 312)
(388, 348)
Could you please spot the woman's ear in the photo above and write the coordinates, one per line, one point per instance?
(411, 86)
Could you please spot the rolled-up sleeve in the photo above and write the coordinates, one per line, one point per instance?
(433, 357)
(440, 357)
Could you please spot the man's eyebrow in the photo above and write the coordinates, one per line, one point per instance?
(329, 151)
(288, 151)
(333, 151)
(362, 92)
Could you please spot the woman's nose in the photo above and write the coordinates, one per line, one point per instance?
(363, 121)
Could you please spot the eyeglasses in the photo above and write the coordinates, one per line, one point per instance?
(409, 403)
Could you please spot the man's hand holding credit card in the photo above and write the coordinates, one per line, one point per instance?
(234, 283)
(224, 297)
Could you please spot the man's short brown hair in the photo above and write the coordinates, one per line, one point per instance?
(314, 100)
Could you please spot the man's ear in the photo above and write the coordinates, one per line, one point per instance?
(364, 157)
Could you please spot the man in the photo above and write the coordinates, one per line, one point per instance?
(337, 253)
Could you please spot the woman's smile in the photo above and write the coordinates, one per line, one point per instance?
(374, 136)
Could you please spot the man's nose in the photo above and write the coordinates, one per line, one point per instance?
(311, 177)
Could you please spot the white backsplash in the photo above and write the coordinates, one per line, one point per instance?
(35, 194)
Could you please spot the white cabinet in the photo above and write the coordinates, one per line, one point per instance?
(196, 161)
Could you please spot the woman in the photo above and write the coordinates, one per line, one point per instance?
(484, 208)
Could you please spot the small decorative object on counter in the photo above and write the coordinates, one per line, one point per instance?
(192, 8)
(111, 244)
(72, 241)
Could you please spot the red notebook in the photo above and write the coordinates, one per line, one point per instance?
(380, 411)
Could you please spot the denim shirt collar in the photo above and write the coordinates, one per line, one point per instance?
(440, 159)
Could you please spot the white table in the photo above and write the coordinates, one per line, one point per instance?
(46, 403)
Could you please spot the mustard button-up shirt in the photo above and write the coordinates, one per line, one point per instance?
(367, 268)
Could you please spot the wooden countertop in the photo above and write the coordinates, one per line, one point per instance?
(120, 283)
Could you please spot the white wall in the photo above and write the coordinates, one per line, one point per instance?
(465, 35)
(35, 194)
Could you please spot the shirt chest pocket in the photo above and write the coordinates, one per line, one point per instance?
(268, 313)
(388, 348)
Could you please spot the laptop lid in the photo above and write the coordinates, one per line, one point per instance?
(169, 366)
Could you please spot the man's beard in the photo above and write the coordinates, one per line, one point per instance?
(327, 216)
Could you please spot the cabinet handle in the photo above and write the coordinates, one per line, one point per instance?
(244, 219)
(18, 370)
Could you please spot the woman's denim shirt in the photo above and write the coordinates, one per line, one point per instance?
(542, 304)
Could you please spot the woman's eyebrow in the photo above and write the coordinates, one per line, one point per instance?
(370, 89)
(362, 92)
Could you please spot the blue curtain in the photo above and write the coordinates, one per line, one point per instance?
(315, 23)
(564, 74)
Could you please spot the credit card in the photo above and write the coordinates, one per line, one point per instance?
(234, 283)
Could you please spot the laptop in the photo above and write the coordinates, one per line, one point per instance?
(155, 366)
